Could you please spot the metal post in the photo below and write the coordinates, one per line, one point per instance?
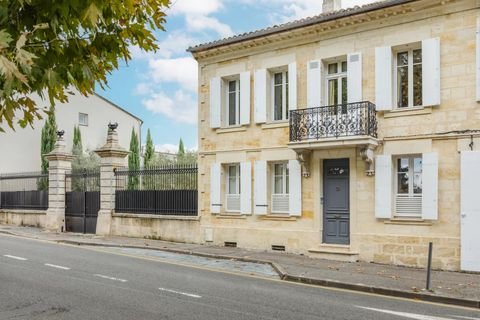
(429, 266)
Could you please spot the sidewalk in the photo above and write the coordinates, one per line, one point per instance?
(448, 287)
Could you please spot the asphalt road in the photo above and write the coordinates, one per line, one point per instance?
(40, 280)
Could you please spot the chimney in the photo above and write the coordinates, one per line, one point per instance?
(331, 6)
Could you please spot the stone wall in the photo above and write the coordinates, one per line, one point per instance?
(30, 218)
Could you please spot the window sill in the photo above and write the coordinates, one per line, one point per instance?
(231, 129)
(230, 215)
(405, 112)
(408, 222)
(276, 124)
(278, 217)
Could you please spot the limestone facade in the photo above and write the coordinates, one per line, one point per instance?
(445, 129)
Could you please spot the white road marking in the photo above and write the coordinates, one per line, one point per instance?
(110, 278)
(462, 317)
(406, 314)
(15, 257)
(57, 266)
(182, 293)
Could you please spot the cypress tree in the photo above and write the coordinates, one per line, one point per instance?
(149, 151)
(181, 151)
(77, 149)
(48, 138)
(133, 161)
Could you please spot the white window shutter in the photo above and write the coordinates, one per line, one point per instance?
(215, 188)
(292, 86)
(354, 77)
(260, 188)
(478, 58)
(431, 72)
(245, 188)
(430, 186)
(215, 102)
(295, 187)
(245, 98)
(314, 74)
(260, 101)
(383, 186)
(383, 78)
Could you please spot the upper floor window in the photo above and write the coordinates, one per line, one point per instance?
(233, 102)
(408, 67)
(83, 119)
(336, 81)
(280, 96)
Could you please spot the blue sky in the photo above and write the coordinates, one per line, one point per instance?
(161, 88)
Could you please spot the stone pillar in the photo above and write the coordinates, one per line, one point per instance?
(112, 156)
(59, 163)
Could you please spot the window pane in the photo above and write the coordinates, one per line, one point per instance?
(232, 180)
(277, 108)
(402, 165)
(344, 66)
(332, 92)
(402, 59)
(332, 68)
(278, 178)
(417, 56)
(287, 178)
(231, 108)
(278, 78)
(344, 91)
(231, 86)
(402, 175)
(402, 87)
(286, 100)
(417, 85)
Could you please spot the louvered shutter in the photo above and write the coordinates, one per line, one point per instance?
(431, 72)
(245, 188)
(215, 102)
(260, 188)
(354, 77)
(430, 186)
(314, 73)
(383, 78)
(260, 95)
(215, 188)
(292, 86)
(383, 186)
(245, 98)
(295, 187)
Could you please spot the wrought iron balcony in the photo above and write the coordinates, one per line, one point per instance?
(344, 120)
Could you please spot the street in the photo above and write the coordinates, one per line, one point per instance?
(42, 280)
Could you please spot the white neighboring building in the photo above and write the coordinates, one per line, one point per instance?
(20, 149)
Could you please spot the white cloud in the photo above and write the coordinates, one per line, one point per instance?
(182, 71)
(195, 7)
(197, 23)
(182, 107)
(166, 147)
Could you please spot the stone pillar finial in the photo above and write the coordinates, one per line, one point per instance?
(59, 163)
(112, 156)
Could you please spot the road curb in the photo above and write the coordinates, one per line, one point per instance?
(285, 276)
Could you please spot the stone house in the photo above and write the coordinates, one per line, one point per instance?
(351, 135)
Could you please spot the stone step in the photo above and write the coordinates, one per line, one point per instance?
(334, 252)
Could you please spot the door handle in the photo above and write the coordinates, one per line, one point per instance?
(463, 215)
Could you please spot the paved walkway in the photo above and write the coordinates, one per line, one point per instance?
(392, 280)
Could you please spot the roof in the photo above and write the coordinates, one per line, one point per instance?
(321, 18)
(118, 107)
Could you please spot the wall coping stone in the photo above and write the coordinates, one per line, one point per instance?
(23, 211)
(155, 216)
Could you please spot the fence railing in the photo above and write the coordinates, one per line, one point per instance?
(167, 190)
(24, 191)
(343, 120)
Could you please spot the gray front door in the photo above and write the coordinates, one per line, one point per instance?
(336, 201)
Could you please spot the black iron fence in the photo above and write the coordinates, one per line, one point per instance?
(24, 191)
(344, 120)
(167, 190)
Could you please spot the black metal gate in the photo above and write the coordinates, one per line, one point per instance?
(82, 198)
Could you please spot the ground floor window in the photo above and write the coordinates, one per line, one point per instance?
(280, 188)
(408, 186)
(232, 193)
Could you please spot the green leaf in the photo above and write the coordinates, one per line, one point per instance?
(5, 39)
